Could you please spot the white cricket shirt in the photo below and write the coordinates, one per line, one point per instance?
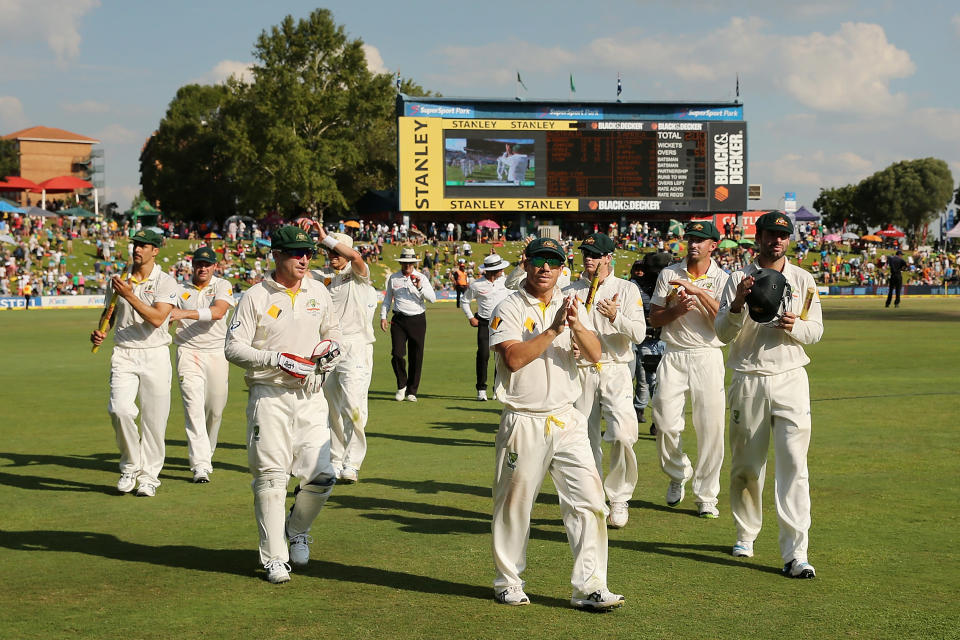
(628, 326)
(694, 329)
(272, 319)
(350, 293)
(762, 350)
(487, 294)
(206, 335)
(550, 383)
(131, 331)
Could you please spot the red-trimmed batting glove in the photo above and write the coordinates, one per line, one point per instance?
(296, 366)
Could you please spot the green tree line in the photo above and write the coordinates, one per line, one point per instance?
(312, 132)
(909, 194)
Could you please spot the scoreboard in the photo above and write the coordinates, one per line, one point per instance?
(596, 160)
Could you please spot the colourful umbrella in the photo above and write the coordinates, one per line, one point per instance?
(727, 243)
(488, 224)
(872, 238)
(353, 224)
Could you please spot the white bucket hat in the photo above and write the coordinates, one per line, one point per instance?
(408, 255)
(493, 262)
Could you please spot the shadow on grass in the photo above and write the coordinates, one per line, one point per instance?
(450, 442)
(39, 483)
(220, 445)
(479, 427)
(94, 461)
(389, 395)
(230, 561)
(434, 487)
(493, 410)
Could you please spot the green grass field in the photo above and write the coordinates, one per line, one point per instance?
(406, 552)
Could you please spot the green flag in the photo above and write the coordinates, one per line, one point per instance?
(573, 88)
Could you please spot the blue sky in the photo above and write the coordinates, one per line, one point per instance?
(832, 91)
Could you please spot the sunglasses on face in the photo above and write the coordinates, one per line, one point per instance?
(539, 261)
(301, 253)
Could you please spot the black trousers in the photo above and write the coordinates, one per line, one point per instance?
(896, 284)
(408, 334)
(483, 352)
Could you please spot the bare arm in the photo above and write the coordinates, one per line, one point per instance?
(517, 354)
(217, 310)
(155, 314)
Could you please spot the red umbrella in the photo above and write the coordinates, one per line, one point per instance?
(890, 232)
(64, 184)
(16, 183)
(488, 224)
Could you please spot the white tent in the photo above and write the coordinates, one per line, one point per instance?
(955, 232)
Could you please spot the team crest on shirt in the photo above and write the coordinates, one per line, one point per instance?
(512, 457)
(313, 306)
(327, 281)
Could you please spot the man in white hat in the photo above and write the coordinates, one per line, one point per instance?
(488, 291)
(406, 292)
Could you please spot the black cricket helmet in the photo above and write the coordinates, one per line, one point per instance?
(769, 297)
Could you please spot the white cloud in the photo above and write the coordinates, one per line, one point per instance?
(374, 59)
(816, 169)
(119, 134)
(12, 117)
(849, 70)
(123, 195)
(86, 106)
(226, 68)
(57, 23)
(942, 124)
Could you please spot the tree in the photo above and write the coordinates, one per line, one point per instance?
(184, 165)
(9, 158)
(838, 208)
(314, 120)
(910, 193)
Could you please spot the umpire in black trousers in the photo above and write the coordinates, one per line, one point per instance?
(406, 294)
(897, 266)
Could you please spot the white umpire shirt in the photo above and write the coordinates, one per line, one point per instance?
(762, 350)
(404, 297)
(131, 331)
(487, 294)
(204, 335)
(693, 330)
(628, 327)
(350, 293)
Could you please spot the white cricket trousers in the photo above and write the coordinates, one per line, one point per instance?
(203, 379)
(143, 373)
(346, 390)
(608, 395)
(287, 435)
(697, 373)
(758, 405)
(527, 447)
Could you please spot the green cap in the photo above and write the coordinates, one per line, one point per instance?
(702, 229)
(774, 221)
(290, 237)
(598, 244)
(148, 236)
(205, 254)
(545, 247)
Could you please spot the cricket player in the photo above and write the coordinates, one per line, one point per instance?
(488, 291)
(533, 332)
(516, 277)
(202, 368)
(769, 392)
(274, 334)
(347, 278)
(684, 303)
(407, 290)
(616, 313)
(140, 365)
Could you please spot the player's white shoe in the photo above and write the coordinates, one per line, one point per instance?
(277, 572)
(201, 476)
(674, 493)
(411, 397)
(597, 601)
(348, 475)
(708, 511)
(482, 395)
(400, 394)
(300, 549)
(146, 491)
(126, 483)
(743, 549)
(513, 596)
(619, 514)
(799, 569)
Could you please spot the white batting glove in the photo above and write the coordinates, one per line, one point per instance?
(296, 366)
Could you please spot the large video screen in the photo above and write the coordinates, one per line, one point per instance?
(449, 164)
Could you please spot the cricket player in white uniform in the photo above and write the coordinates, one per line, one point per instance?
(769, 391)
(202, 369)
(616, 313)
(347, 278)
(488, 291)
(140, 365)
(533, 333)
(684, 303)
(516, 277)
(273, 335)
